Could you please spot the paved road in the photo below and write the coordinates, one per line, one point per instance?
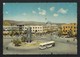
(61, 46)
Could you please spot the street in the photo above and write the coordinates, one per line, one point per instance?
(61, 46)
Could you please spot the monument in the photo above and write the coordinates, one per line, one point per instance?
(29, 34)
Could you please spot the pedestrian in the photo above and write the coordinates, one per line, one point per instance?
(6, 48)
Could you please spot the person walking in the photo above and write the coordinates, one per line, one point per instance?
(6, 48)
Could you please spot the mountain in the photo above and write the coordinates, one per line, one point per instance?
(12, 22)
(9, 22)
(6, 23)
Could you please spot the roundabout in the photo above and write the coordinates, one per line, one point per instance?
(61, 47)
(25, 45)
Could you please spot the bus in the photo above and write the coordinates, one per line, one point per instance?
(46, 45)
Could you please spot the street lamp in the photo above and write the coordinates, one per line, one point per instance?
(48, 23)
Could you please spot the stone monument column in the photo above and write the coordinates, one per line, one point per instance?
(29, 34)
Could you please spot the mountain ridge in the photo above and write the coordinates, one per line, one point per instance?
(13, 22)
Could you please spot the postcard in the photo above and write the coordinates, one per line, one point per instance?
(39, 28)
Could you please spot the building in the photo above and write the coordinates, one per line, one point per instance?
(37, 29)
(51, 28)
(9, 29)
(69, 27)
(34, 28)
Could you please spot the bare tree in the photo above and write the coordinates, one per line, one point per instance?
(59, 32)
(70, 34)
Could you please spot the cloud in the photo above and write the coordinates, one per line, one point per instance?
(42, 11)
(24, 14)
(39, 8)
(6, 12)
(55, 15)
(34, 12)
(52, 8)
(3, 3)
(63, 11)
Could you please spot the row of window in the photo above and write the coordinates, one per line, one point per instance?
(69, 27)
(35, 27)
(68, 30)
(36, 30)
(74, 23)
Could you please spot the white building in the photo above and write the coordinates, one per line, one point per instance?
(35, 28)
(10, 28)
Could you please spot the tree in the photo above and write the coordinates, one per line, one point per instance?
(17, 42)
(70, 34)
(12, 33)
(60, 32)
(23, 39)
(16, 33)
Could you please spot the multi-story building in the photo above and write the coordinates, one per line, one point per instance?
(10, 28)
(50, 28)
(37, 29)
(69, 27)
(34, 28)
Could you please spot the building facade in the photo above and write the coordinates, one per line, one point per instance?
(51, 28)
(34, 29)
(69, 27)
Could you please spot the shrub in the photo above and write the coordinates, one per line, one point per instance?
(23, 39)
(17, 42)
(70, 34)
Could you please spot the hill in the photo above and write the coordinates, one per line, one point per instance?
(12, 22)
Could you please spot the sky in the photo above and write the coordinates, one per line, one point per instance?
(41, 12)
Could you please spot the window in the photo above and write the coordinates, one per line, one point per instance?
(75, 30)
(70, 29)
(38, 27)
(25, 27)
(33, 27)
(71, 26)
(75, 27)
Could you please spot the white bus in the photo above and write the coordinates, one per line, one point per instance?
(46, 45)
